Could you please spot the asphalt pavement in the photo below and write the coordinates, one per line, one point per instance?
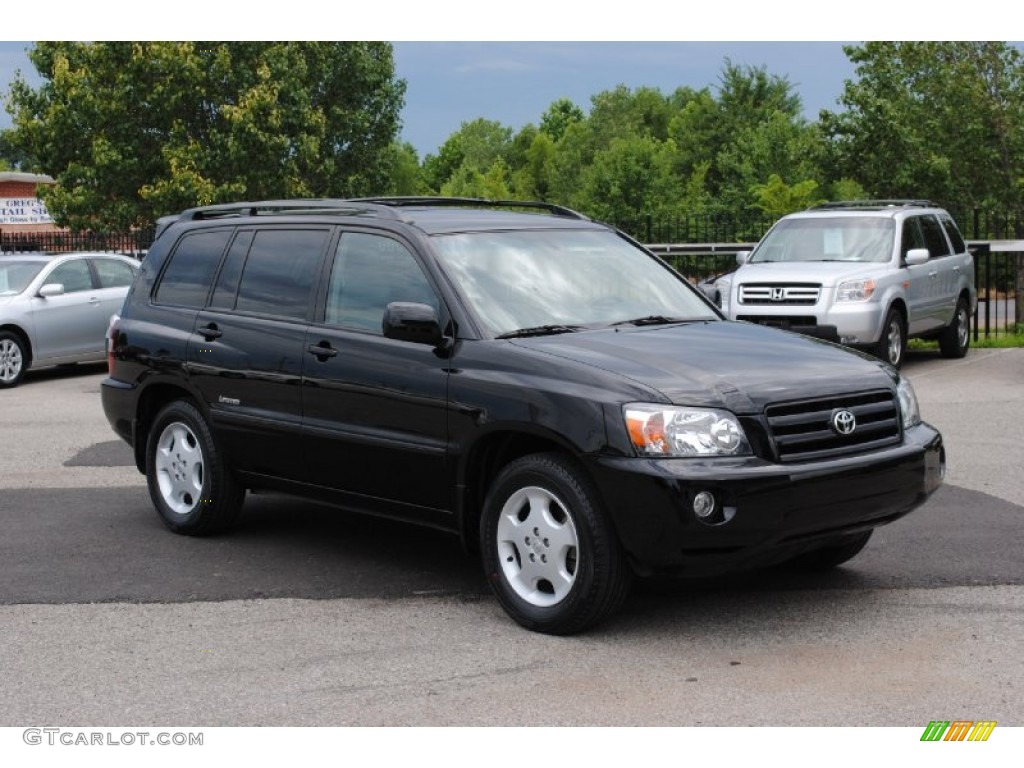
(304, 615)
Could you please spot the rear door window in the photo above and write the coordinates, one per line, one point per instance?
(959, 246)
(186, 279)
(281, 272)
(113, 273)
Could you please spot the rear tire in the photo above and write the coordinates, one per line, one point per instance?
(192, 489)
(955, 339)
(549, 553)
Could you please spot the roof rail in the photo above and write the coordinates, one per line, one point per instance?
(840, 204)
(287, 207)
(472, 202)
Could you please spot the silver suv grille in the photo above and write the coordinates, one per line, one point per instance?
(792, 294)
(803, 430)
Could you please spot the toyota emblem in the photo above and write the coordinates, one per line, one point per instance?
(844, 422)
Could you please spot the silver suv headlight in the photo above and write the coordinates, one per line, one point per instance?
(670, 430)
(908, 403)
(855, 290)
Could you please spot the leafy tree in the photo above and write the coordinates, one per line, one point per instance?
(12, 157)
(476, 146)
(632, 177)
(776, 198)
(559, 116)
(406, 175)
(943, 120)
(752, 129)
(134, 130)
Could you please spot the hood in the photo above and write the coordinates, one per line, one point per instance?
(737, 366)
(828, 273)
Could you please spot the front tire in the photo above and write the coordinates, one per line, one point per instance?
(13, 359)
(955, 339)
(892, 345)
(549, 553)
(192, 489)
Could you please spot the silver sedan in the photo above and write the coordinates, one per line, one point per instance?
(55, 309)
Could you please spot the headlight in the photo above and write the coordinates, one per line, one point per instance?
(669, 430)
(855, 290)
(908, 403)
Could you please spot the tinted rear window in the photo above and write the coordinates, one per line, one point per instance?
(186, 280)
(281, 271)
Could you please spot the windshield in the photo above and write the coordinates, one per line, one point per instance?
(837, 238)
(563, 280)
(16, 275)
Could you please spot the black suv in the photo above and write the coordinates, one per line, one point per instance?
(515, 373)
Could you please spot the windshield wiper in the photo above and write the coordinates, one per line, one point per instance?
(540, 330)
(653, 320)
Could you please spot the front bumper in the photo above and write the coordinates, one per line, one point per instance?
(855, 322)
(775, 511)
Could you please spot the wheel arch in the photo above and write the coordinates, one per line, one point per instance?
(151, 400)
(22, 334)
(481, 465)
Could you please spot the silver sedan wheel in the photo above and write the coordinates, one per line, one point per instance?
(537, 546)
(179, 468)
(11, 360)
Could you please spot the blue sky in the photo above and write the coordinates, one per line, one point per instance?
(513, 82)
(449, 83)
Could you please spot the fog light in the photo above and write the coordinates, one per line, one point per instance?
(849, 340)
(704, 505)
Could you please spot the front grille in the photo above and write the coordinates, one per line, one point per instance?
(780, 321)
(802, 430)
(780, 294)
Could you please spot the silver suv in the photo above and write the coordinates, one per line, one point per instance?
(867, 274)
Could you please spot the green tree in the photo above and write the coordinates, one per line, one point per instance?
(633, 177)
(406, 174)
(131, 131)
(943, 120)
(777, 198)
(12, 157)
(476, 146)
(559, 116)
(736, 140)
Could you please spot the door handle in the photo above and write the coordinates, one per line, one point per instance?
(211, 332)
(322, 351)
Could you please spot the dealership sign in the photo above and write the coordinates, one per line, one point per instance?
(23, 210)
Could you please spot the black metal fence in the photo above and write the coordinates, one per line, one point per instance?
(130, 243)
(699, 247)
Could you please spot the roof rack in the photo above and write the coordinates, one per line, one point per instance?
(840, 204)
(472, 202)
(289, 207)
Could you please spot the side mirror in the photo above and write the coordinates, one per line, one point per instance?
(916, 256)
(51, 289)
(741, 258)
(406, 321)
